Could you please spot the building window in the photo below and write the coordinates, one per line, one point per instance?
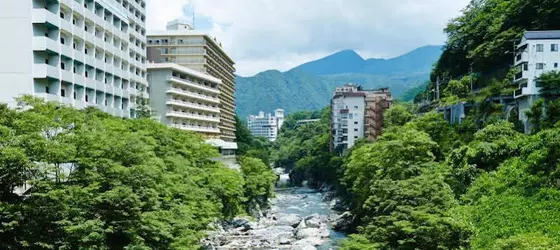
(355, 130)
(63, 66)
(75, 95)
(105, 102)
(540, 47)
(74, 70)
(63, 92)
(356, 123)
(526, 67)
(47, 90)
(554, 47)
(62, 15)
(555, 65)
(355, 137)
(87, 74)
(87, 98)
(62, 40)
(86, 51)
(540, 65)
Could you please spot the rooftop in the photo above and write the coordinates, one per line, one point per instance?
(184, 70)
(542, 34)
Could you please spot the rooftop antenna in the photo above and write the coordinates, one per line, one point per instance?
(193, 19)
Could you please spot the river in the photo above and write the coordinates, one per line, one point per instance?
(297, 219)
(306, 202)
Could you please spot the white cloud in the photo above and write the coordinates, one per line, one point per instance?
(280, 34)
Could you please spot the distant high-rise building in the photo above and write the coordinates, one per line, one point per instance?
(182, 45)
(537, 53)
(357, 114)
(78, 52)
(184, 98)
(267, 125)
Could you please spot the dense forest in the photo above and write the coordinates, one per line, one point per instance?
(98, 182)
(428, 185)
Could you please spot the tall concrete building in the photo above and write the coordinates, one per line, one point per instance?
(183, 45)
(185, 98)
(267, 126)
(78, 52)
(357, 114)
(537, 53)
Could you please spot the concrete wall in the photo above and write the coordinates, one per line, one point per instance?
(16, 65)
(158, 86)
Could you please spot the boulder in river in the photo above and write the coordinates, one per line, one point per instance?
(308, 243)
(312, 233)
(315, 220)
(292, 220)
(343, 222)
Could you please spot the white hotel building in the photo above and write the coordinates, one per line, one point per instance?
(185, 98)
(537, 53)
(78, 52)
(267, 125)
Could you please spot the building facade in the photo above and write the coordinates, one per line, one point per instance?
(267, 126)
(77, 52)
(181, 44)
(185, 99)
(537, 53)
(357, 114)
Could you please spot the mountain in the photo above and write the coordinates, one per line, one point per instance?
(310, 85)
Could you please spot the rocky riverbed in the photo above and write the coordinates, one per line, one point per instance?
(299, 218)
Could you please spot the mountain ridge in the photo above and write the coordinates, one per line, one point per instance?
(309, 86)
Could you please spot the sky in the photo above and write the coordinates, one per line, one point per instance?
(281, 34)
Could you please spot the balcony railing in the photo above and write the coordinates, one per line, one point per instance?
(193, 116)
(193, 105)
(194, 95)
(194, 85)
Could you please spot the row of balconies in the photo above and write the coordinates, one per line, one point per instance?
(191, 94)
(192, 105)
(195, 128)
(193, 116)
(109, 31)
(44, 71)
(192, 84)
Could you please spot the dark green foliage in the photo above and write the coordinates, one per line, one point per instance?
(99, 182)
(400, 194)
(304, 150)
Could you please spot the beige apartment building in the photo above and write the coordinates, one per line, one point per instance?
(182, 45)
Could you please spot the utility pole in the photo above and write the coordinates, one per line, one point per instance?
(471, 78)
(437, 88)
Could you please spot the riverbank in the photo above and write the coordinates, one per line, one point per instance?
(298, 219)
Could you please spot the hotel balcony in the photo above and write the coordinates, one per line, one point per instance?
(193, 85)
(46, 17)
(41, 43)
(203, 129)
(192, 106)
(192, 116)
(43, 71)
(193, 95)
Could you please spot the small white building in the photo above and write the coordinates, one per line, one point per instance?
(537, 53)
(267, 125)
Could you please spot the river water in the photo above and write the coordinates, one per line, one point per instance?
(305, 202)
(298, 218)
